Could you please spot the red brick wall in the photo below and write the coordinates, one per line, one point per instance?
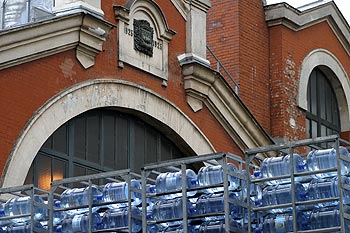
(25, 88)
(238, 35)
(288, 49)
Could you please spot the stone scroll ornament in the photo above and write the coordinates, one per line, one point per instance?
(143, 37)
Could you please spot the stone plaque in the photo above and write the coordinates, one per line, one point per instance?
(143, 37)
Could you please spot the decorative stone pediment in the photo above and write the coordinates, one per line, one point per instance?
(144, 36)
(83, 32)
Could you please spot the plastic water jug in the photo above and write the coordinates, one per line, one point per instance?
(255, 190)
(119, 218)
(22, 205)
(78, 197)
(170, 209)
(282, 194)
(328, 188)
(23, 228)
(172, 181)
(214, 204)
(213, 175)
(284, 222)
(80, 223)
(324, 159)
(279, 166)
(118, 191)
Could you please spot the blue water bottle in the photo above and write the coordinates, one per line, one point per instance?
(172, 181)
(57, 214)
(328, 188)
(324, 218)
(284, 222)
(3, 222)
(118, 192)
(219, 227)
(78, 197)
(325, 159)
(24, 227)
(180, 229)
(255, 190)
(282, 194)
(212, 227)
(171, 209)
(119, 218)
(280, 166)
(22, 205)
(213, 175)
(214, 204)
(80, 223)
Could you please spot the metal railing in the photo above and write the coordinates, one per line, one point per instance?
(219, 66)
(149, 175)
(149, 172)
(306, 176)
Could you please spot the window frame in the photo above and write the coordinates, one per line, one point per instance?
(317, 76)
(73, 161)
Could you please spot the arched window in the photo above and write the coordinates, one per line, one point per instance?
(322, 117)
(96, 141)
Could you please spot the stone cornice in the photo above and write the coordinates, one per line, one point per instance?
(204, 85)
(81, 31)
(288, 16)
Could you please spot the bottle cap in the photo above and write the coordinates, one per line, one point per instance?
(257, 202)
(151, 189)
(193, 181)
(58, 228)
(257, 173)
(57, 203)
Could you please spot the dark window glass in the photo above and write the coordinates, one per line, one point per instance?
(151, 146)
(45, 176)
(99, 140)
(107, 140)
(137, 159)
(122, 142)
(79, 137)
(323, 113)
(92, 142)
(59, 139)
(165, 152)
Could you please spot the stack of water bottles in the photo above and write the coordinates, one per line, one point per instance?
(16, 214)
(283, 197)
(113, 207)
(205, 206)
(286, 193)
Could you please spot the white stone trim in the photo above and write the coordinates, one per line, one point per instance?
(183, 8)
(286, 15)
(89, 95)
(340, 82)
(204, 86)
(29, 42)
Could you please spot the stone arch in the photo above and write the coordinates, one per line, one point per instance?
(337, 75)
(90, 95)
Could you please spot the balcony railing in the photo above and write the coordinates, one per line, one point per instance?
(18, 12)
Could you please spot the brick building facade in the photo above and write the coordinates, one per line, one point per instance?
(147, 61)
